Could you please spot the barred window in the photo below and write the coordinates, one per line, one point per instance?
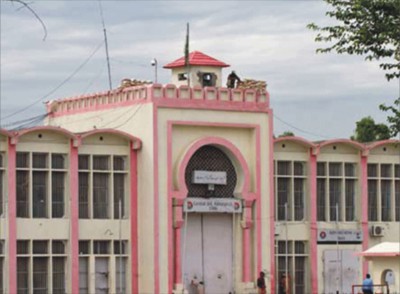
(110, 260)
(102, 191)
(290, 180)
(40, 185)
(292, 270)
(336, 191)
(34, 272)
(383, 189)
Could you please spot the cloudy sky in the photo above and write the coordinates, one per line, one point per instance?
(315, 96)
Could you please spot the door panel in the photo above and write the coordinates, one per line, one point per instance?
(208, 255)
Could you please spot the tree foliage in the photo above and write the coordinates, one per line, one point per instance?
(368, 131)
(394, 119)
(287, 134)
(366, 27)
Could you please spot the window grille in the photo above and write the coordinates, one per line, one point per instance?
(385, 200)
(120, 274)
(40, 190)
(101, 247)
(372, 200)
(101, 162)
(84, 247)
(84, 275)
(120, 247)
(210, 158)
(58, 161)
(41, 269)
(372, 170)
(101, 189)
(290, 181)
(337, 188)
(100, 195)
(83, 162)
(383, 189)
(292, 261)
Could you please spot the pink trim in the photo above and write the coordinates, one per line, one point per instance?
(165, 96)
(271, 200)
(65, 132)
(156, 204)
(174, 270)
(386, 254)
(136, 142)
(380, 143)
(295, 139)
(349, 142)
(134, 220)
(313, 223)
(74, 192)
(246, 195)
(12, 219)
(258, 217)
(5, 133)
(364, 208)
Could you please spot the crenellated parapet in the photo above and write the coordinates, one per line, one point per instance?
(168, 95)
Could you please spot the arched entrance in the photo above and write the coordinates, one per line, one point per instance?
(233, 214)
(210, 213)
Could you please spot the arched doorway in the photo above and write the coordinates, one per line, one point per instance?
(210, 215)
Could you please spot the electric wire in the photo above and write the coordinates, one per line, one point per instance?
(24, 120)
(59, 85)
(300, 130)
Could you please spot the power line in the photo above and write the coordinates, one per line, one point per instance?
(59, 85)
(298, 129)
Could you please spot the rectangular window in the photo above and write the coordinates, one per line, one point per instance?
(321, 203)
(100, 195)
(291, 259)
(22, 194)
(41, 268)
(83, 195)
(383, 189)
(372, 200)
(40, 185)
(58, 190)
(336, 191)
(84, 275)
(385, 200)
(39, 194)
(102, 186)
(290, 180)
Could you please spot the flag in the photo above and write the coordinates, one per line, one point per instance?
(187, 46)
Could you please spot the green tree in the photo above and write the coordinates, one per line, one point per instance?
(368, 131)
(366, 27)
(370, 28)
(287, 134)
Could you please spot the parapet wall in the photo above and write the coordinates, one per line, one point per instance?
(159, 93)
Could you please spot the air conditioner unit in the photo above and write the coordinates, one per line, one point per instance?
(377, 231)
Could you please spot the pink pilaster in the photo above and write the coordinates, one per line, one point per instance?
(271, 201)
(12, 220)
(156, 204)
(178, 259)
(364, 208)
(134, 220)
(74, 192)
(246, 255)
(313, 223)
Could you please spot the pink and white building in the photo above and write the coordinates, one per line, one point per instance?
(145, 189)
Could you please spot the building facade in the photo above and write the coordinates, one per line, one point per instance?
(156, 188)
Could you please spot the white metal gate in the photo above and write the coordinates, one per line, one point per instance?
(341, 271)
(208, 252)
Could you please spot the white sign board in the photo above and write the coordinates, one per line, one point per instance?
(340, 236)
(212, 205)
(209, 177)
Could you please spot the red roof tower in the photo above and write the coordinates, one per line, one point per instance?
(197, 58)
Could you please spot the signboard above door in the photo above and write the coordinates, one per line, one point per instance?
(212, 205)
(339, 236)
(209, 177)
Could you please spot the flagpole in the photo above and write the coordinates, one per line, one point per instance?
(187, 55)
